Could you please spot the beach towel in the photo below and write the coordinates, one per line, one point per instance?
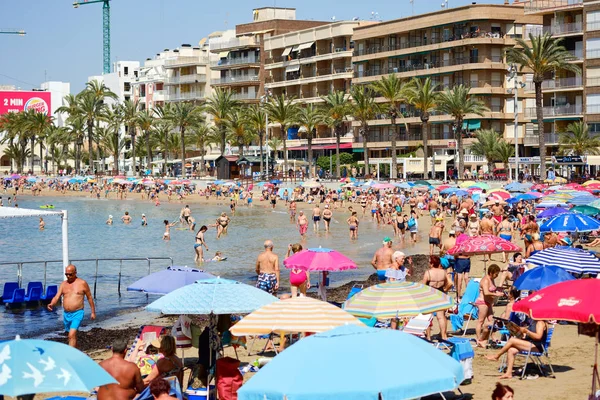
(470, 295)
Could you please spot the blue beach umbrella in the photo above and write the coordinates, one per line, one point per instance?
(282, 190)
(334, 372)
(461, 193)
(212, 296)
(220, 182)
(525, 197)
(574, 260)
(450, 190)
(516, 187)
(552, 211)
(167, 280)
(32, 179)
(31, 366)
(276, 181)
(540, 277)
(403, 185)
(582, 200)
(550, 204)
(570, 222)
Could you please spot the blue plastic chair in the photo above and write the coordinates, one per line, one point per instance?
(9, 289)
(18, 297)
(51, 291)
(33, 294)
(536, 356)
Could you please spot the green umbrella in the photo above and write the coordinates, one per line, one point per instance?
(421, 183)
(482, 185)
(586, 210)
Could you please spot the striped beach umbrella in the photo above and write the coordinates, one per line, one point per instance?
(570, 222)
(402, 299)
(295, 315)
(571, 259)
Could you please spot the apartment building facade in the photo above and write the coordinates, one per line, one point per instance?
(462, 45)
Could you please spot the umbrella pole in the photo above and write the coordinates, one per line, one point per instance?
(595, 376)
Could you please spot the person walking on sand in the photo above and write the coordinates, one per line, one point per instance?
(72, 292)
(292, 211)
(327, 215)
(267, 269)
(316, 217)
(199, 257)
(435, 234)
(353, 225)
(168, 225)
(127, 374)
(302, 224)
(382, 259)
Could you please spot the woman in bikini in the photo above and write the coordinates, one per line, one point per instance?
(505, 231)
(485, 304)
(353, 225)
(299, 279)
(437, 278)
(535, 246)
(199, 243)
(222, 223)
(169, 365)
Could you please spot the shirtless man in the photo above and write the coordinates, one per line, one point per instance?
(327, 215)
(72, 291)
(316, 216)
(433, 208)
(487, 225)
(435, 234)
(185, 214)
(125, 372)
(292, 210)
(498, 211)
(302, 223)
(273, 198)
(126, 218)
(453, 204)
(382, 260)
(267, 269)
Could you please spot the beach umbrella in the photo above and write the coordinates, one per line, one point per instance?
(516, 187)
(539, 186)
(492, 201)
(422, 183)
(403, 185)
(482, 185)
(595, 203)
(570, 222)
(233, 184)
(319, 259)
(31, 179)
(383, 186)
(483, 244)
(281, 191)
(526, 197)
(503, 191)
(586, 210)
(556, 180)
(276, 181)
(295, 315)
(552, 211)
(461, 193)
(574, 260)
(337, 373)
(167, 280)
(442, 187)
(503, 194)
(450, 190)
(220, 182)
(29, 366)
(397, 299)
(467, 184)
(542, 276)
(535, 194)
(591, 182)
(582, 200)
(311, 184)
(550, 204)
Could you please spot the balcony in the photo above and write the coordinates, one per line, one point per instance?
(192, 78)
(534, 6)
(234, 43)
(186, 96)
(533, 140)
(593, 109)
(556, 111)
(562, 83)
(592, 53)
(564, 29)
(325, 73)
(231, 80)
(244, 96)
(186, 61)
(471, 158)
(225, 62)
(578, 54)
(592, 26)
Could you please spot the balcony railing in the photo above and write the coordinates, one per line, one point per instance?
(592, 54)
(563, 83)
(235, 79)
(593, 109)
(192, 78)
(593, 26)
(181, 61)
(238, 42)
(430, 65)
(556, 110)
(235, 61)
(471, 158)
(592, 82)
(563, 29)
(577, 53)
(532, 6)
(244, 96)
(185, 96)
(312, 74)
(534, 140)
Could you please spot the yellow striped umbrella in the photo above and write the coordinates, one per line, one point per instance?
(295, 315)
(467, 184)
(590, 182)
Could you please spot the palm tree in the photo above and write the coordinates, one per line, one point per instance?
(457, 102)
(37, 124)
(92, 108)
(146, 121)
(423, 95)
(541, 56)
(55, 137)
(283, 111)
(364, 109)
(578, 140)
(113, 143)
(162, 131)
(114, 117)
(14, 125)
(17, 152)
(237, 129)
(220, 105)
(75, 133)
(274, 144)
(184, 116)
(394, 91)
(336, 109)
(486, 146)
(203, 136)
(504, 151)
(309, 118)
(256, 119)
(130, 119)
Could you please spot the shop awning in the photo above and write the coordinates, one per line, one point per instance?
(471, 125)
(296, 47)
(292, 68)
(286, 52)
(305, 45)
(343, 146)
(223, 54)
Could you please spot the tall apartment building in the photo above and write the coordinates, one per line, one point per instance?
(462, 45)
(119, 81)
(241, 58)
(188, 73)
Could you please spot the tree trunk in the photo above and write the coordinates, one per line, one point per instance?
(310, 155)
(90, 127)
(78, 155)
(223, 134)
(394, 171)
(149, 152)
(461, 150)
(241, 149)
(203, 167)
(539, 111)
(117, 151)
(337, 151)
(42, 155)
(52, 151)
(285, 155)
(260, 141)
(32, 157)
(425, 132)
(183, 169)
(365, 134)
(133, 160)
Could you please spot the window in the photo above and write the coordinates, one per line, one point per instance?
(594, 127)
(592, 76)
(592, 19)
(593, 103)
(126, 71)
(592, 48)
(127, 86)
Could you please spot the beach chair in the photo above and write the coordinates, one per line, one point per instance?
(51, 291)
(466, 308)
(418, 325)
(18, 297)
(537, 356)
(9, 289)
(147, 333)
(33, 294)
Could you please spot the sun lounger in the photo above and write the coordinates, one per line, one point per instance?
(9, 289)
(147, 333)
(17, 298)
(466, 308)
(51, 291)
(418, 325)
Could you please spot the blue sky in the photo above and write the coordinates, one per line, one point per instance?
(65, 44)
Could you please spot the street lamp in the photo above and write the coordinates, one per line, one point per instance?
(512, 75)
(264, 99)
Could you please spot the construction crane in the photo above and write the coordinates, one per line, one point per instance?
(105, 30)
(12, 32)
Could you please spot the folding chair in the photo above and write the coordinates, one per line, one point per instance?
(466, 308)
(536, 356)
(418, 325)
(146, 333)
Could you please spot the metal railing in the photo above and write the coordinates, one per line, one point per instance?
(534, 140)
(20, 264)
(593, 26)
(188, 60)
(236, 79)
(561, 83)
(577, 53)
(235, 61)
(556, 110)
(185, 96)
(191, 78)
(563, 29)
(539, 5)
(237, 42)
(593, 109)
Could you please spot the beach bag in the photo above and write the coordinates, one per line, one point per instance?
(229, 378)
(411, 222)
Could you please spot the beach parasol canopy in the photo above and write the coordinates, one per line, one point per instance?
(586, 210)
(319, 259)
(541, 277)
(311, 184)
(404, 185)
(570, 222)
(492, 201)
(591, 182)
(552, 211)
(481, 185)
(295, 315)
(335, 372)
(383, 186)
(582, 200)
(556, 180)
(212, 296)
(421, 183)
(571, 259)
(397, 299)
(467, 184)
(450, 190)
(484, 244)
(32, 366)
(517, 187)
(167, 280)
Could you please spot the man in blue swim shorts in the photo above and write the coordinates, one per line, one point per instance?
(382, 260)
(72, 291)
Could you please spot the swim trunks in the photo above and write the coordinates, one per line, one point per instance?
(435, 241)
(506, 236)
(267, 282)
(72, 319)
(303, 229)
(498, 218)
(316, 218)
(462, 265)
(381, 274)
(433, 212)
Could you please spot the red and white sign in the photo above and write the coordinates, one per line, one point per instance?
(19, 101)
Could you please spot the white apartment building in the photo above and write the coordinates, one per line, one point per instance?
(58, 91)
(119, 81)
(188, 73)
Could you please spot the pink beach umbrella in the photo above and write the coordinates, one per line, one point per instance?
(319, 259)
(383, 186)
(536, 194)
(483, 244)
